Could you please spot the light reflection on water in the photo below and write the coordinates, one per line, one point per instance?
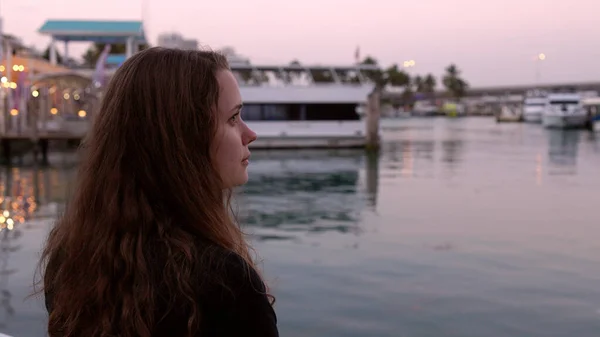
(458, 228)
(313, 192)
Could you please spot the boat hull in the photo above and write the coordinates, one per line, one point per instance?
(308, 143)
(391, 124)
(532, 117)
(509, 119)
(596, 124)
(509, 115)
(571, 121)
(308, 134)
(425, 113)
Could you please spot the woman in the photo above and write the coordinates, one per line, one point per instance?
(147, 246)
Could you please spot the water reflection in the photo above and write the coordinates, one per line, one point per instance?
(372, 178)
(9, 244)
(30, 198)
(20, 191)
(400, 157)
(417, 152)
(562, 151)
(417, 158)
(452, 150)
(311, 192)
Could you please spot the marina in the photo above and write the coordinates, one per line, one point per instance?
(291, 105)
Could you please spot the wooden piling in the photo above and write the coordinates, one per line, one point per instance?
(373, 116)
(43, 146)
(6, 150)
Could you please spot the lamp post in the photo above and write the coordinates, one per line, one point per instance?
(409, 64)
(539, 58)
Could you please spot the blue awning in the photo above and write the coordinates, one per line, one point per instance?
(94, 31)
(115, 59)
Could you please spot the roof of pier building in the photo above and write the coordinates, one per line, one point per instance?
(100, 31)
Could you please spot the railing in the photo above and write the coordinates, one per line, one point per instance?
(52, 128)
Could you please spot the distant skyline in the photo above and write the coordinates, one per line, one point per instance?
(492, 42)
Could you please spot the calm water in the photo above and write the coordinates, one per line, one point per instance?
(459, 228)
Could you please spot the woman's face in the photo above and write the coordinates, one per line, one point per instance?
(230, 147)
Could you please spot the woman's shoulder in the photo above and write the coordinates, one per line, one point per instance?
(232, 272)
(238, 303)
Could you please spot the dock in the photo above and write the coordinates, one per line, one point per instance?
(60, 135)
(14, 143)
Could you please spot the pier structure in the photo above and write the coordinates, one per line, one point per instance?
(18, 64)
(52, 107)
(130, 33)
(50, 101)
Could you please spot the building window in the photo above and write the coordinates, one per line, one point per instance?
(274, 112)
(252, 112)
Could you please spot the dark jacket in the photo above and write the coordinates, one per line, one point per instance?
(236, 307)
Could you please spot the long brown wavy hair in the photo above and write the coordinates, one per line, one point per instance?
(146, 194)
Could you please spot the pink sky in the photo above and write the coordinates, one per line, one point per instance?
(492, 41)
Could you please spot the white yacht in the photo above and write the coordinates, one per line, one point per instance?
(592, 107)
(564, 110)
(425, 109)
(534, 105)
(301, 106)
(510, 113)
(296, 106)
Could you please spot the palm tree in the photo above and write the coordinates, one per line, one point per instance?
(295, 74)
(93, 53)
(399, 78)
(46, 55)
(456, 86)
(419, 84)
(376, 76)
(369, 60)
(408, 96)
(246, 75)
(321, 76)
(429, 84)
(396, 77)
